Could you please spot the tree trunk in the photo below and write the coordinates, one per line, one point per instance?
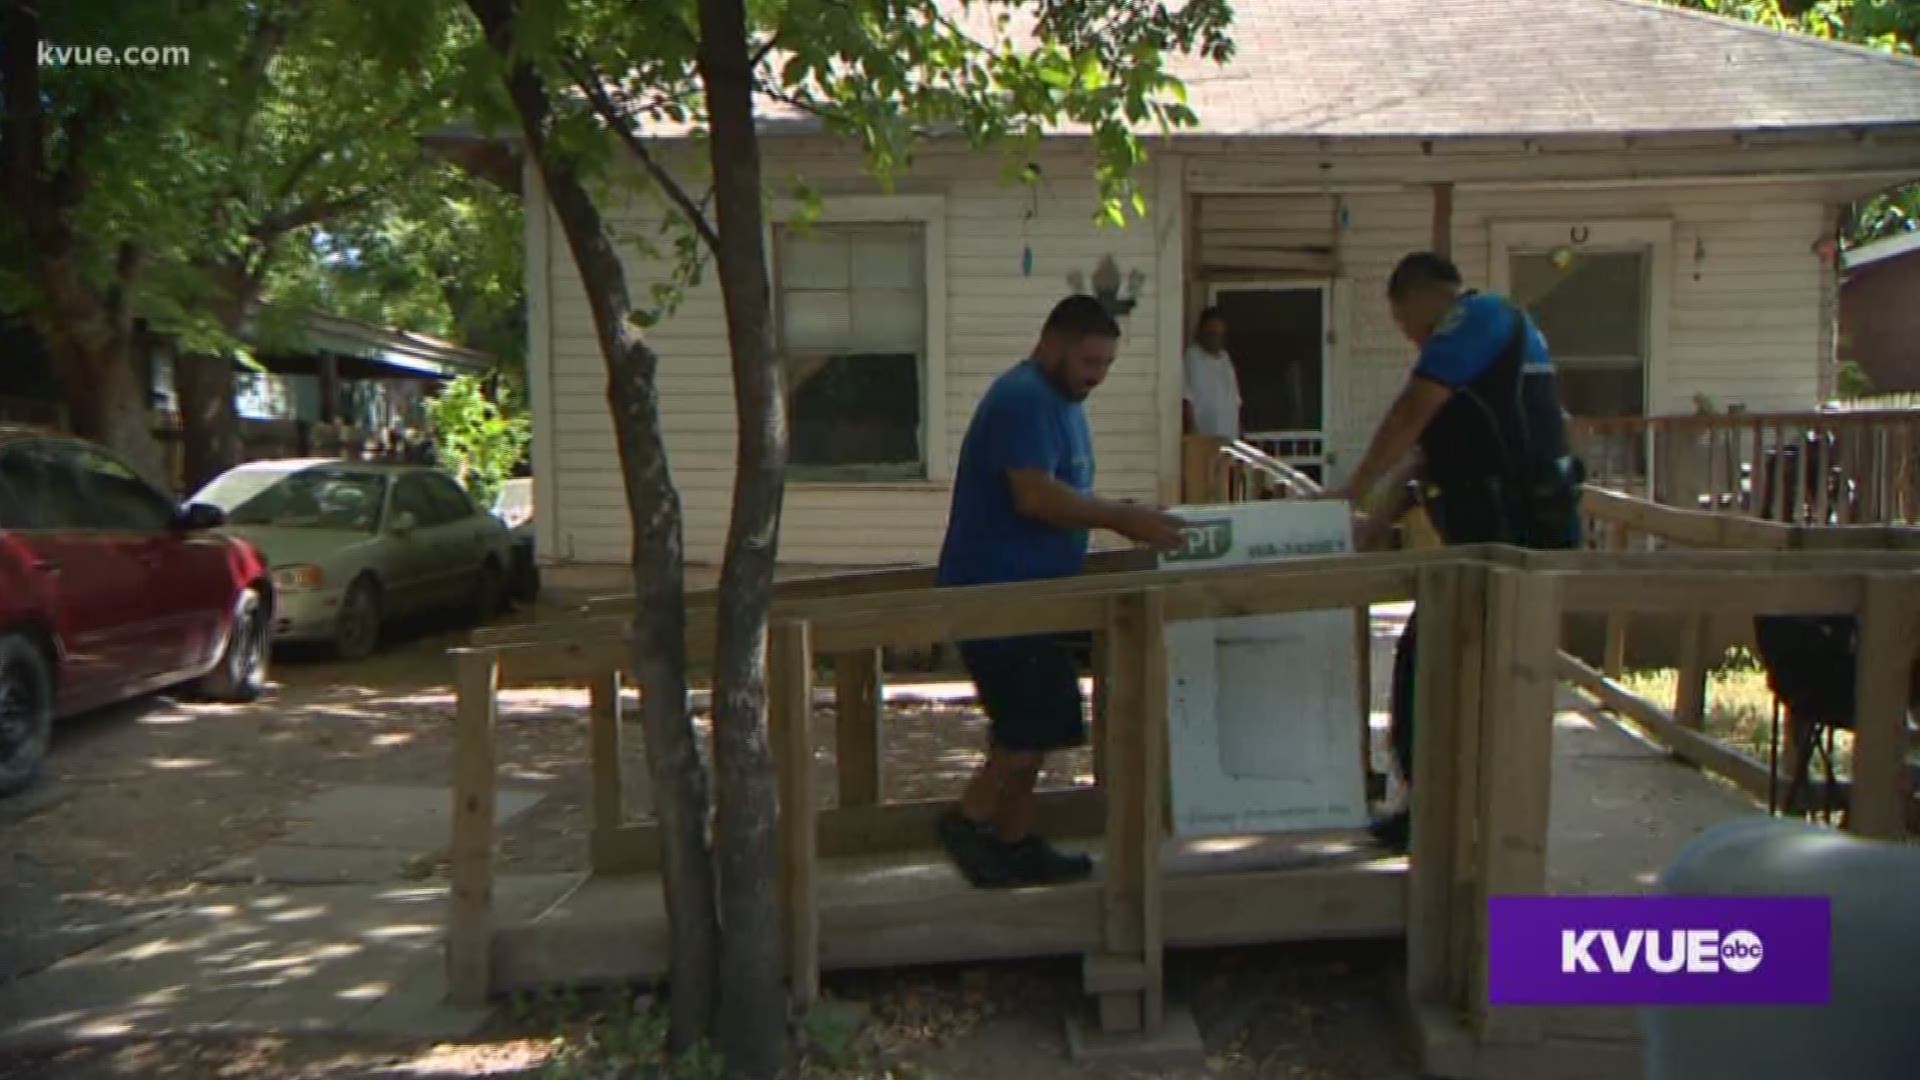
(752, 1006)
(107, 397)
(653, 506)
(209, 423)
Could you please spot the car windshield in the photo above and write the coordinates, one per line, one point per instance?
(318, 498)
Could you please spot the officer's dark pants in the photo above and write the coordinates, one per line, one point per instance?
(1461, 520)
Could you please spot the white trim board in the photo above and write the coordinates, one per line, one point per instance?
(1881, 250)
(551, 541)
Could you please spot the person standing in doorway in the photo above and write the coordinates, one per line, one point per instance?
(1482, 408)
(1212, 388)
(1023, 506)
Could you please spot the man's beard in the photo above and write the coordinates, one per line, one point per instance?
(1059, 380)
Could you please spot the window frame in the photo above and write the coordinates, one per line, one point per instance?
(1652, 237)
(930, 213)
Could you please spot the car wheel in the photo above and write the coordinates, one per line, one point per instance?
(241, 674)
(26, 712)
(489, 592)
(356, 631)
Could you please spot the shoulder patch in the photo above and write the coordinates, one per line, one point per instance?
(1455, 317)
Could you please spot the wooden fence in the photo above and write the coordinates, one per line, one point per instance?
(1831, 468)
(859, 887)
(1619, 522)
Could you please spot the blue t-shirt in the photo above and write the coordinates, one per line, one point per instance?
(1471, 336)
(1021, 423)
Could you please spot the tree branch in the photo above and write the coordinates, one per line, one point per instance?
(609, 112)
(314, 211)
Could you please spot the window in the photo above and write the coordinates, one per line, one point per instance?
(318, 497)
(73, 487)
(450, 502)
(410, 496)
(852, 332)
(1593, 312)
(117, 499)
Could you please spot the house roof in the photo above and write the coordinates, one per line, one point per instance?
(389, 346)
(1881, 250)
(1464, 68)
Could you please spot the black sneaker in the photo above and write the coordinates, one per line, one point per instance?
(1036, 862)
(976, 851)
(1394, 831)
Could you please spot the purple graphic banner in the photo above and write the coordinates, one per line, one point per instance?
(1659, 950)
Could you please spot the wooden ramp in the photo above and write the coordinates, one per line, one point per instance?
(914, 908)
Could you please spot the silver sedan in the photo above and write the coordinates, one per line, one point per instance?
(355, 544)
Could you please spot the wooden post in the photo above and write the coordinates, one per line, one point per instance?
(1103, 676)
(1522, 649)
(1431, 965)
(1196, 469)
(1363, 634)
(470, 895)
(1881, 777)
(1443, 219)
(1126, 974)
(790, 715)
(858, 703)
(603, 760)
(1467, 905)
(1615, 660)
(1690, 696)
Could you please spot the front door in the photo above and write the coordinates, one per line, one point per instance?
(1276, 336)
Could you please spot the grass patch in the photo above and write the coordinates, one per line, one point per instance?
(1739, 706)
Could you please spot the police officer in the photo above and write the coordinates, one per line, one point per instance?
(1483, 408)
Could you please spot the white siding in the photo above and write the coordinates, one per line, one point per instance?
(993, 318)
(1742, 327)
(1743, 321)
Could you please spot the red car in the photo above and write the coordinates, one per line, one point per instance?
(108, 590)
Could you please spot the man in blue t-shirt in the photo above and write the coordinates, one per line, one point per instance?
(1483, 407)
(1023, 505)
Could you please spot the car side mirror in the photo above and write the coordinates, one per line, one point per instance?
(199, 517)
(404, 523)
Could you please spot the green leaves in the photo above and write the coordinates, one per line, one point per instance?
(478, 440)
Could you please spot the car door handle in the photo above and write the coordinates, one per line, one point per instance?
(47, 566)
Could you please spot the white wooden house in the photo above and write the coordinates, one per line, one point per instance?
(1661, 187)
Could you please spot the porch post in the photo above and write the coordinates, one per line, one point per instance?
(1170, 315)
(1443, 219)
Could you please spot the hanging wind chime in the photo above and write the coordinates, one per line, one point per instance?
(1026, 220)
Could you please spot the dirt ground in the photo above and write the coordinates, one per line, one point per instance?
(137, 799)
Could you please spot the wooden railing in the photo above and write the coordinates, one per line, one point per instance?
(1620, 522)
(1831, 468)
(1485, 701)
(1222, 471)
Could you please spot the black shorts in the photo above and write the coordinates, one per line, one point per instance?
(1030, 690)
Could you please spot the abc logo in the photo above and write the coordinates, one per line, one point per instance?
(1741, 951)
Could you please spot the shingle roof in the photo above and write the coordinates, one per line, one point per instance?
(1453, 68)
(1484, 67)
